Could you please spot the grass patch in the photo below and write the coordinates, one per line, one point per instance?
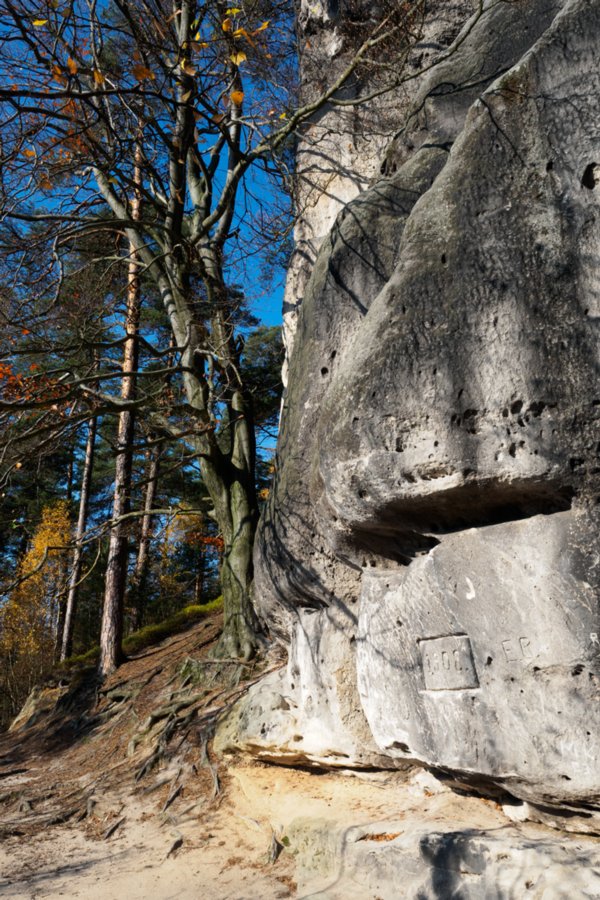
(150, 635)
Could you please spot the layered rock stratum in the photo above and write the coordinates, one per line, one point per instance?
(429, 556)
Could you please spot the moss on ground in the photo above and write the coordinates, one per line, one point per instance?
(150, 635)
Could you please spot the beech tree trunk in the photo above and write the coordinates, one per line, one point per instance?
(111, 635)
(66, 646)
(231, 484)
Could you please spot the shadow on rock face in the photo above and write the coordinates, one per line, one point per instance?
(439, 463)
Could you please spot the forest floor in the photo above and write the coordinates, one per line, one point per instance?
(112, 791)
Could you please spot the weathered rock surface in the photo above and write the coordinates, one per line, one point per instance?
(427, 843)
(307, 712)
(386, 862)
(340, 150)
(40, 701)
(438, 468)
(489, 647)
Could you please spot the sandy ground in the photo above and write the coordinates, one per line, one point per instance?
(224, 854)
(77, 760)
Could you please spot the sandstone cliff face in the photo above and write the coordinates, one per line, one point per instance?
(341, 149)
(430, 552)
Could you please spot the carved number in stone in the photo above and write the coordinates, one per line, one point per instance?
(448, 663)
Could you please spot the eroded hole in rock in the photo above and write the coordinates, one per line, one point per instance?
(398, 745)
(472, 505)
(537, 408)
(324, 371)
(590, 176)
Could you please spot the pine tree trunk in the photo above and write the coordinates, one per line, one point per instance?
(200, 575)
(111, 635)
(66, 647)
(140, 574)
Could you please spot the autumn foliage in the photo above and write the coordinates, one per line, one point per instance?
(29, 619)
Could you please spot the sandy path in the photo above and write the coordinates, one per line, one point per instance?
(225, 850)
(224, 856)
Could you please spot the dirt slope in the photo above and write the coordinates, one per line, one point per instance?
(133, 755)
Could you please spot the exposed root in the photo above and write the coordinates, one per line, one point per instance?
(112, 828)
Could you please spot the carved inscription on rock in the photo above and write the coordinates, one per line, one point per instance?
(448, 663)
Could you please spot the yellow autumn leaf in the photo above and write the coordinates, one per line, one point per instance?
(29, 152)
(141, 72)
(283, 115)
(226, 26)
(112, 180)
(237, 58)
(197, 44)
(72, 65)
(98, 77)
(237, 97)
(233, 11)
(188, 68)
(185, 97)
(39, 22)
(261, 27)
